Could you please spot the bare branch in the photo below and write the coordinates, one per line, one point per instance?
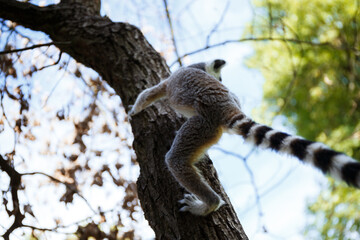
(278, 183)
(53, 64)
(252, 180)
(270, 19)
(185, 8)
(15, 183)
(77, 223)
(291, 40)
(218, 23)
(71, 187)
(295, 72)
(58, 81)
(172, 32)
(34, 46)
(26, 14)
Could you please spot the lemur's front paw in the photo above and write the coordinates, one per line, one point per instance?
(131, 112)
(196, 206)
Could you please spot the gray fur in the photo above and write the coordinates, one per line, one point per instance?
(197, 93)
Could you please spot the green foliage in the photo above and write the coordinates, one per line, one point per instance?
(311, 63)
(339, 217)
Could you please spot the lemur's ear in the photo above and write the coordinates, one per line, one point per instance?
(218, 64)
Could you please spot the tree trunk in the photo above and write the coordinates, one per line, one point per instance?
(128, 63)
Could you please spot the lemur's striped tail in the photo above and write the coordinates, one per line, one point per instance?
(336, 164)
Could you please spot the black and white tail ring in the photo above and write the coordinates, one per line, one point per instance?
(336, 164)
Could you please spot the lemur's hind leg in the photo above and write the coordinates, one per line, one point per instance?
(194, 137)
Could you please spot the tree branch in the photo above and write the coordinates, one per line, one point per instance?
(252, 182)
(53, 64)
(291, 40)
(15, 182)
(33, 47)
(215, 28)
(71, 187)
(172, 32)
(24, 13)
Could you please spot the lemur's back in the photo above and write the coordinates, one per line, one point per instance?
(194, 92)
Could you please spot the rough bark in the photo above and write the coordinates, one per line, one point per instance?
(128, 63)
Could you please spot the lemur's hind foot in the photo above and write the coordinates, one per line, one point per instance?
(198, 207)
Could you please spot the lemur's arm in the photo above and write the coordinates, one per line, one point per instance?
(147, 97)
(150, 95)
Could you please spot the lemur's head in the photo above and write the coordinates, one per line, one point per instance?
(213, 67)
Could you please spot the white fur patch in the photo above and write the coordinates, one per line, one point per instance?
(237, 123)
(240, 122)
(285, 147)
(309, 158)
(251, 135)
(338, 162)
(266, 141)
(209, 68)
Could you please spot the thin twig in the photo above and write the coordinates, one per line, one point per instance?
(55, 229)
(53, 64)
(67, 185)
(68, 225)
(2, 94)
(292, 40)
(270, 19)
(270, 189)
(185, 8)
(293, 81)
(56, 84)
(252, 180)
(33, 47)
(172, 32)
(253, 18)
(218, 23)
(278, 183)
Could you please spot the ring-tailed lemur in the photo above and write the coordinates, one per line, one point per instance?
(196, 92)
